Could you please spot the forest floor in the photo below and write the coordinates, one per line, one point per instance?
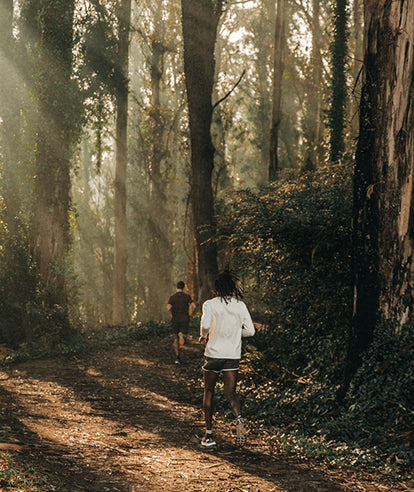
(125, 418)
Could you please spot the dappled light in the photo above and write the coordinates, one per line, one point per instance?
(133, 424)
(241, 170)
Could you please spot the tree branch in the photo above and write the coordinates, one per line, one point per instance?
(228, 94)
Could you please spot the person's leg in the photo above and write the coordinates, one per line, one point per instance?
(210, 379)
(176, 345)
(230, 382)
(182, 332)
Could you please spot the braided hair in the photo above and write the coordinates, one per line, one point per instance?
(226, 286)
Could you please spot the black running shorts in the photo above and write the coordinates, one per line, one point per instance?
(180, 326)
(220, 365)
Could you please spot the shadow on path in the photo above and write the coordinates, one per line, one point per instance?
(126, 419)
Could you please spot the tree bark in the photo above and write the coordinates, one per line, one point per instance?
(54, 148)
(383, 238)
(338, 103)
(277, 89)
(120, 316)
(313, 109)
(199, 22)
(357, 55)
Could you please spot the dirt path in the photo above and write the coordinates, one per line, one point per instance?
(126, 419)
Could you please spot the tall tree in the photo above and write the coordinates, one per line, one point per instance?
(277, 88)
(338, 103)
(313, 109)
(160, 254)
(357, 55)
(58, 117)
(383, 242)
(200, 20)
(121, 159)
(262, 36)
(279, 41)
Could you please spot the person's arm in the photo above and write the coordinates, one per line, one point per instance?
(169, 303)
(247, 324)
(205, 322)
(191, 308)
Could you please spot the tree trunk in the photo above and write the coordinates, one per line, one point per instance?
(199, 21)
(54, 148)
(277, 88)
(357, 55)
(262, 114)
(120, 316)
(383, 199)
(160, 250)
(313, 117)
(338, 105)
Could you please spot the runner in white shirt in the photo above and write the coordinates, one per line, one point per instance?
(225, 320)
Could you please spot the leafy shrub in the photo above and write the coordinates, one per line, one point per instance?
(380, 401)
(17, 287)
(24, 319)
(292, 243)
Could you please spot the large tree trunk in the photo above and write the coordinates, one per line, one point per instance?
(383, 202)
(121, 157)
(200, 20)
(277, 89)
(54, 148)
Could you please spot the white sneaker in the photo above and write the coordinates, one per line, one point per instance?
(241, 431)
(208, 441)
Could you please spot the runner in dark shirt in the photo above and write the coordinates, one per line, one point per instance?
(181, 307)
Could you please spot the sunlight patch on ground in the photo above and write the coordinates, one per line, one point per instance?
(68, 424)
(40, 402)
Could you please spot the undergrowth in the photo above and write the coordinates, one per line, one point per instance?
(15, 475)
(291, 244)
(84, 341)
(373, 429)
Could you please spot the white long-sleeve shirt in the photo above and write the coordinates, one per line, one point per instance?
(225, 324)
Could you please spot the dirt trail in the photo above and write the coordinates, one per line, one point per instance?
(126, 419)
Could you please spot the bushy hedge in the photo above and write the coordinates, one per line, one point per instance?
(380, 402)
(291, 242)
